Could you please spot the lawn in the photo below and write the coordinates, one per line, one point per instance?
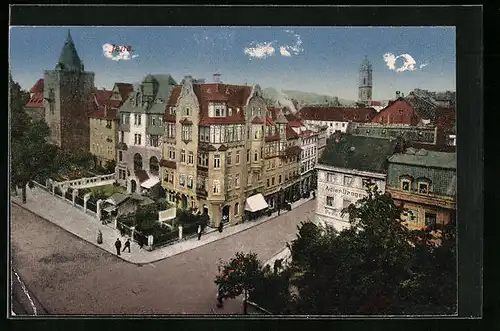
(109, 190)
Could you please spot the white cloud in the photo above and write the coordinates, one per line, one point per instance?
(284, 52)
(423, 65)
(260, 50)
(107, 50)
(265, 49)
(408, 64)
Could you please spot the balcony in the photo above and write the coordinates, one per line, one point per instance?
(431, 199)
(201, 192)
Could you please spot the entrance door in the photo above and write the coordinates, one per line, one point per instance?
(430, 220)
(184, 202)
(225, 214)
(133, 186)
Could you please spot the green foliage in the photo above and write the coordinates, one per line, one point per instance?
(110, 166)
(31, 155)
(186, 218)
(239, 276)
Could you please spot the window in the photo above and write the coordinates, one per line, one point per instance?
(190, 157)
(171, 177)
(347, 180)
(330, 201)
(280, 179)
(186, 132)
(170, 130)
(203, 159)
(120, 156)
(122, 136)
(182, 180)
(216, 186)
(153, 121)
(248, 155)
(237, 157)
(216, 161)
(183, 156)
(190, 182)
(137, 119)
(228, 158)
(346, 203)
(237, 180)
(154, 140)
(154, 166)
(272, 181)
(255, 156)
(108, 124)
(229, 182)
(236, 208)
(187, 111)
(405, 184)
(430, 220)
(268, 182)
(330, 178)
(423, 187)
(137, 139)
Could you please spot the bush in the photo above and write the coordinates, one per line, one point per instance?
(127, 219)
(187, 218)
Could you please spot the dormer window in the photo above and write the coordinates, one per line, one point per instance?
(229, 112)
(171, 110)
(187, 111)
(138, 100)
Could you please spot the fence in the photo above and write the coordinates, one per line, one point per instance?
(92, 206)
(79, 201)
(138, 236)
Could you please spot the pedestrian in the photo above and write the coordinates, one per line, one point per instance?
(127, 245)
(199, 231)
(99, 237)
(118, 245)
(140, 241)
(221, 226)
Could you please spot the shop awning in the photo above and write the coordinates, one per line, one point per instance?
(255, 203)
(149, 183)
(109, 209)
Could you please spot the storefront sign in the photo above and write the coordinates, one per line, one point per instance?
(345, 192)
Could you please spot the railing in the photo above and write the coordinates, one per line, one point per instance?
(76, 183)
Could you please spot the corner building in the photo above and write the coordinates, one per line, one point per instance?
(213, 148)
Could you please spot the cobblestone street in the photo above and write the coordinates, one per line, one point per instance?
(70, 276)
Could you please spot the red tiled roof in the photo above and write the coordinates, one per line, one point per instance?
(295, 124)
(269, 121)
(290, 133)
(111, 114)
(337, 114)
(294, 150)
(235, 96)
(306, 133)
(125, 89)
(257, 120)
(36, 101)
(272, 138)
(168, 118)
(174, 96)
(274, 111)
(38, 87)
(101, 96)
(375, 103)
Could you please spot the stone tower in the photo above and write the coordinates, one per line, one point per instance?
(68, 98)
(365, 82)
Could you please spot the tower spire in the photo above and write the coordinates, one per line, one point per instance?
(69, 59)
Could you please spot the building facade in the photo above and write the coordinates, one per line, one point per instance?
(425, 134)
(424, 182)
(334, 118)
(103, 122)
(219, 140)
(67, 92)
(140, 133)
(35, 106)
(365, 83)
(349, 165)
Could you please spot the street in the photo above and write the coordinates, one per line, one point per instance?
(68, 276)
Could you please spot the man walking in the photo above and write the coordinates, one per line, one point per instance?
(199, 231)
(118, 245)
(221, 226)
(127, 245)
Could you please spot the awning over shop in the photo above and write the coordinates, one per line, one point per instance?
(149, 183)
(255, 203)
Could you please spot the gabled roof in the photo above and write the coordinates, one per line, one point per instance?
(124, 89)
(36, 101)
(359, 153)
(38, 87)
(174, 96)
(337, 114)
(257, 120)
(290, 133)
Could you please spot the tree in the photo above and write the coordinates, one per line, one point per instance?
(110, 166)
(377, 266)
(31, 155)
(239, 276)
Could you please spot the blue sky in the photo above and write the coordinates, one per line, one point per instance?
(324, 60)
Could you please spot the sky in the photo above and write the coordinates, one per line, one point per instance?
(323, 60)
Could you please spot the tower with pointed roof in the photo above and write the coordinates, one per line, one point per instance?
(365, 82)
(68, 99)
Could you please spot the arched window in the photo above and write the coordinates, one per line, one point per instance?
(137, 161)
(154, 167)
(236, 209)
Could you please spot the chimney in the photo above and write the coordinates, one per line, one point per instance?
(217, 78)
(397, 94)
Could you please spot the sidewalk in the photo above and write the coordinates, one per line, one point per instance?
(86, 227)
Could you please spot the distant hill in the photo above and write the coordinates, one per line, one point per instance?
(297, 99)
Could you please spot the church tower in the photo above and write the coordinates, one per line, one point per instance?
(365, 83)
(68, 96)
